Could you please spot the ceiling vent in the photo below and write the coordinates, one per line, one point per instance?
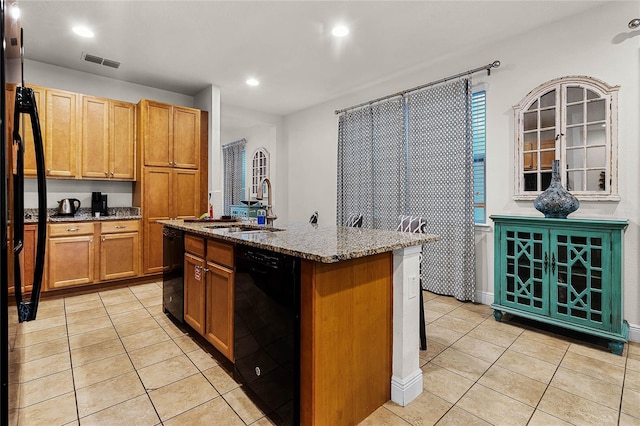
(101, 61)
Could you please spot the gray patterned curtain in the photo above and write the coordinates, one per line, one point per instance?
(440, 172)
(414, 156)
(371, 164)
(232, 160)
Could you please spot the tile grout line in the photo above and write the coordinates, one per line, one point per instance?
(73, 377)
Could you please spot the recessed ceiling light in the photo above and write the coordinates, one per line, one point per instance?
(14, 11)
(340, 31)
(252, 82)
(83, 31)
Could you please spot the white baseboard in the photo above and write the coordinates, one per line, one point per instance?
(634, 333)
(484, 297)
(405, 390)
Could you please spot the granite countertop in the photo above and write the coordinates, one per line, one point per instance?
(326, 244)
(84, 215)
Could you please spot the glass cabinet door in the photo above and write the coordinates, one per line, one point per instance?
(525, 273)
(579, 282)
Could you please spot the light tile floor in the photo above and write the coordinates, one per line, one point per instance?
(113, 358)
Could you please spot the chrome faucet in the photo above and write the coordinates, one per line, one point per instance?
(270, 216)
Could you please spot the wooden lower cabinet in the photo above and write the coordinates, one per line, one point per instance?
(194, 292)
(168, 194)
(81, 253)
(71, 257)
(27, 259)
(219, 312)
(208, 291)
(119, 250)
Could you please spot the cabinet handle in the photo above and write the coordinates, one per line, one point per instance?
(48, 170)
(112, 173)
(73, 229)
(553, 263)
(120, 226)
(91, 241)
(106, 173)
(546, 262)
(205, 270)
(103, 239)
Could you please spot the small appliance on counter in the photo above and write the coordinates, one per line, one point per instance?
(99, 204)
(68, 207)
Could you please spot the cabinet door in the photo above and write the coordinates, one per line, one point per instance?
(158, 134)
(580, 277)
(27, 259)
(186, 193)
(71, 261)
(27, 132)
(524, 269)
(95, 138)
(119, 256)
(186, 137)
(61, 139)
(29, 256)
(194, 292)
(219, 308)
(122, 140)
(158, 184)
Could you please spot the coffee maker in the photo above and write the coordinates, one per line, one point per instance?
(99, 204)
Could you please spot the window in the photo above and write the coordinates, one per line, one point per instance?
(259, 168)
(572, 119)
(233, 156)
(479, 133)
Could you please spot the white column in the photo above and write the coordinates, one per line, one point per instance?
(406, 381)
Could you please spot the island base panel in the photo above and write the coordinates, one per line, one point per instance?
(346, 339)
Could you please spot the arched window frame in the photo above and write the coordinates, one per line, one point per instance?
(259, 168)
(604, 91)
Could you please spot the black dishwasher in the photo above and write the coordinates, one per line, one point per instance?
(172, 272)
(267, 331)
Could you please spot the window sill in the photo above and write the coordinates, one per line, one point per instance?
(483, 227)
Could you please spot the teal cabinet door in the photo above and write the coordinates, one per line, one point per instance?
(565, 272)
(581, 278)
(524, 278)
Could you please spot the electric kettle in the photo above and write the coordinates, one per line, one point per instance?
(68, 206)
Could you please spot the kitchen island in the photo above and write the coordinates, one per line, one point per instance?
(359, 307)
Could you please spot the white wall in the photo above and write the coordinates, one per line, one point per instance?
(119, 193)
(261, 131)
(596, 43)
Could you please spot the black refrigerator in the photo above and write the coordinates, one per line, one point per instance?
(17, 107)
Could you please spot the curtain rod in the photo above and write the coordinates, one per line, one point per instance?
(494, 64)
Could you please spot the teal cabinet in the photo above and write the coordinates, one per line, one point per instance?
(566, 272)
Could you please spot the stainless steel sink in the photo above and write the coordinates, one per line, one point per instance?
(244, 229)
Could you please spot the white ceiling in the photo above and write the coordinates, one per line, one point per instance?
(185, 46)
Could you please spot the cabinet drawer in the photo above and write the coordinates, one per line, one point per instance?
(70, 229)
(194, 245)
(220, 253)
(115, 226)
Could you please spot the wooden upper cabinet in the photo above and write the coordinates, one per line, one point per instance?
(186, 137)
(26, 131)
(61, 134)
(171, 135)
(122, 150)
(157, 134)
(108, 140)
(95, 137)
